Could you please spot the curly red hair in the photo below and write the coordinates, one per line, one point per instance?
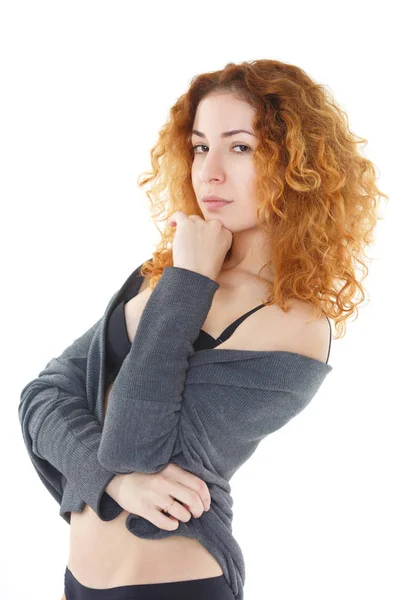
(317, 195)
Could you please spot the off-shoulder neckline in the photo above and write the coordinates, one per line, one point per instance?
(231, 354)
(225, 354)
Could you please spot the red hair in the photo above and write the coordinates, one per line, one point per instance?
(317, 195)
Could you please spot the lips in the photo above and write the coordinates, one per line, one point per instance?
(218, 201)
(212, 204)
(214, 198)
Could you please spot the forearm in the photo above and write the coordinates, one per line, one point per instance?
(113, 486)
(144, 405)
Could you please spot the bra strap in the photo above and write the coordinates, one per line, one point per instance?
(231, 328)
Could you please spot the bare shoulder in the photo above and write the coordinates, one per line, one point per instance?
(142, 295)
(144, 286)
(271, 329)
(300, 331)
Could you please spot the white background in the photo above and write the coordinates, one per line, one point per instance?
(86, 86)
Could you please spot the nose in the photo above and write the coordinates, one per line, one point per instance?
(211, 169)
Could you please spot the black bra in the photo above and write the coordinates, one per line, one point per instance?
(118, 344)
(225, 334)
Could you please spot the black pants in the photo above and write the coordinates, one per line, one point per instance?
(211, 588)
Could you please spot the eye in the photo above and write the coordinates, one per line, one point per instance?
(236, 146)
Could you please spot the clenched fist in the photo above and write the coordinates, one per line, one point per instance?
(199, 245)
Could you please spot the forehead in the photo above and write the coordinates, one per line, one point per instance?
(222, 112)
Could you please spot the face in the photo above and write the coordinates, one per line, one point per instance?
(223, 165)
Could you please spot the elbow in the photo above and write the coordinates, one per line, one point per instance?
(36, 403)
(146, 448)
(138, 460)
(110, 460)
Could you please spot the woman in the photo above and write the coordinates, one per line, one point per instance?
(301, 205)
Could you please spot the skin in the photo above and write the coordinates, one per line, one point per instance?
(224, 167)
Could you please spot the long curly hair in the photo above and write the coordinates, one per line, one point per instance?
(316, 194)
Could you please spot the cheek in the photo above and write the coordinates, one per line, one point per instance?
(245, 179)
(195, 183)
(195, 177)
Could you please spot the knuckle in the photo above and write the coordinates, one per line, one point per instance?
(193, 496)
(152, 477)
(140, 505)
(203, 488)
(170, 468)
(195, 503)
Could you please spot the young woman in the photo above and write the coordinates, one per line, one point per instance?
(298, 203)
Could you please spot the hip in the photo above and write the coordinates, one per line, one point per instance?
(216, 588)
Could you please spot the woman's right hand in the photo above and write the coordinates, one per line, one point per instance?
(148, 494)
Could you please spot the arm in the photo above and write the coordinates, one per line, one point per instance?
(142, 421)
(61, 434)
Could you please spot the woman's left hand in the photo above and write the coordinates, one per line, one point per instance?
(199, 245)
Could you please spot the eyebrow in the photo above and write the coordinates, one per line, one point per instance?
(225, 134)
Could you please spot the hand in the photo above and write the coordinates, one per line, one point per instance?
(148, 494)
(199, 245)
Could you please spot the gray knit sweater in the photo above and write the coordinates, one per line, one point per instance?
(206, 411)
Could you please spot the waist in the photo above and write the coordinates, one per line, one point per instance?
(105, 554)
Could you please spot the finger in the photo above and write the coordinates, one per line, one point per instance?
(178, 216)
(176, 474)
(163, 521)
(174, 218)
(191, 498)
(178, 510)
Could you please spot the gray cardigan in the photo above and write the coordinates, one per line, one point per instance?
(206, 411)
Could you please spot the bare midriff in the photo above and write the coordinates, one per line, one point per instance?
(106, 554)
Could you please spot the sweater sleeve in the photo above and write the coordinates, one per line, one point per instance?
(143, 413)
(61, 434)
